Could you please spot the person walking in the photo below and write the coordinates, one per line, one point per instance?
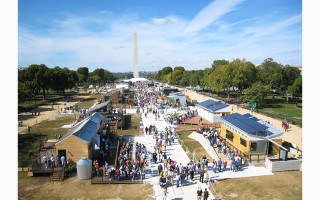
(201, 172)
(45, 161)
(199, 193)
(160, 168)
(205, 194)
(63, 161)
(219, 164)
(52, 161)
(165, 192)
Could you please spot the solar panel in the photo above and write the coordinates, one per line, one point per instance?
(212, 105)
(251, 117)
(217, 106)
(207, 103)
(250, 122)
(239, 124)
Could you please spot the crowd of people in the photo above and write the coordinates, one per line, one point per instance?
(234, 157)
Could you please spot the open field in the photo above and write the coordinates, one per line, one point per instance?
(53, 127)
(193, 146)
(282, 185)
(73, 188)
(88, 102)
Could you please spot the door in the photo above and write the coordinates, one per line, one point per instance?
(62, 152)
(270, 148)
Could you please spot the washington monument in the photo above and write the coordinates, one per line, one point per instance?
(135, 57)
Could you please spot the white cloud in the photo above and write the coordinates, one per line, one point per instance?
(71, 42)
(159, 21)
(211, 13)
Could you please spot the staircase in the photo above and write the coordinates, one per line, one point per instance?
(57, 176)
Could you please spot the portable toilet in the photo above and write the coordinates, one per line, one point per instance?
(84, 168)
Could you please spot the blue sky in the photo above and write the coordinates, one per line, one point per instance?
(192, 34)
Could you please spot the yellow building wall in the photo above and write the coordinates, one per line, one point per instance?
(275, 148)
(75, 148)
(236, 140)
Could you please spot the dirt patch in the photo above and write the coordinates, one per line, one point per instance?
(233, 195)
(282, 185)
(73, 188)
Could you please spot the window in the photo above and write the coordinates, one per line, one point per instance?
(229, 136)
(253, 146)
(243, 142)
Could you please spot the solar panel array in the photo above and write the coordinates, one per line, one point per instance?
(213, 105)
(246, 124)
(251, 117)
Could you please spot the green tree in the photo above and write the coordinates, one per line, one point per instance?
(222, 79)
(179, 68)
(217, 63)
(289, 75)
(258, 92)
(296, 89)
(108, 77)
(58, 79)
(37, 73)
(73, 78)
(83, 74)
(176, 76)
(24, 92)
(269, 73)
(244, 74)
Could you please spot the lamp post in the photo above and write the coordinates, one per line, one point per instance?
(286, 106)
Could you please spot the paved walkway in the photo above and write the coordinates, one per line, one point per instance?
(175, 152)
(248, 171)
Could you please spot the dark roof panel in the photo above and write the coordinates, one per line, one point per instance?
(250, 122)
(239, 124)
(212, 105)
(246, 124)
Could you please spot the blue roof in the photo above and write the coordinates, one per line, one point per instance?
(246, 124)
(212, 105)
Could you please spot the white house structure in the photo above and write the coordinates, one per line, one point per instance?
(178, 97)
(212, 110)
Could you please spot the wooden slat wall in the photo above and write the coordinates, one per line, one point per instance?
(75, 148)
(236, 140)
(275, 148)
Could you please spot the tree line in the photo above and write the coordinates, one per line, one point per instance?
(37, 79)
(252, 83)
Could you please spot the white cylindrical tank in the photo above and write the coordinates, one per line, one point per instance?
(84, 168)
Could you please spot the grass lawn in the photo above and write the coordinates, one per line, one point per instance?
(73, 188)
(133, 128)
(280, 109)
(53, 127)
(87, 103)
(38, 100)
(281, 185)
(193, 146)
